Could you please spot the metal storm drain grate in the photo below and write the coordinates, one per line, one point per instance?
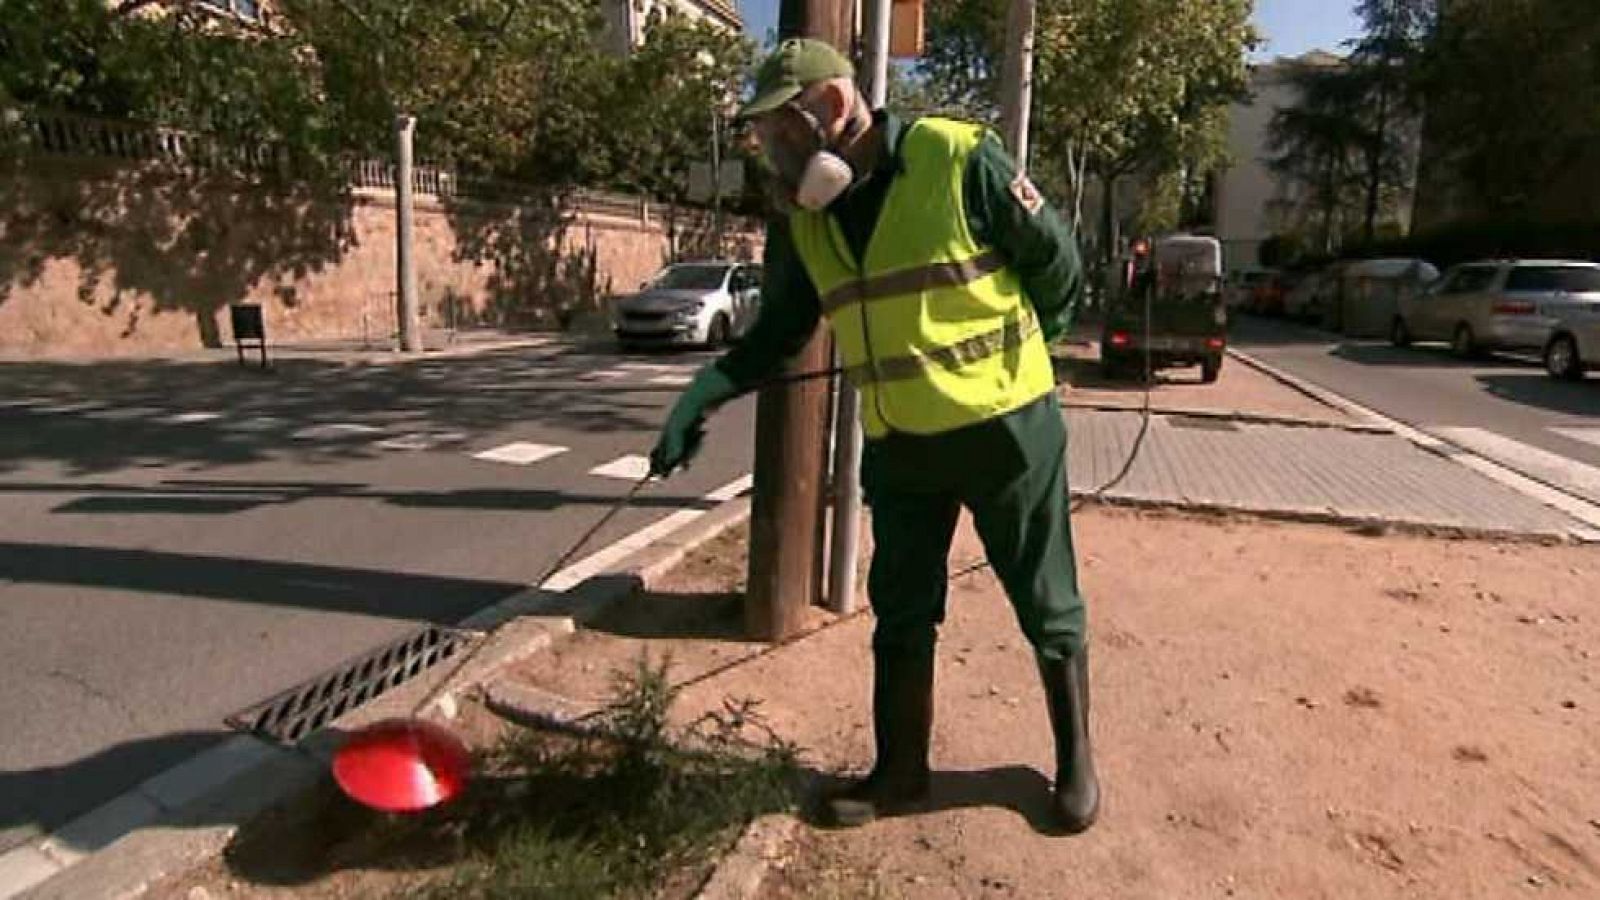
(300, 710)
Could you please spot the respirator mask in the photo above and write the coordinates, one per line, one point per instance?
(811, 170)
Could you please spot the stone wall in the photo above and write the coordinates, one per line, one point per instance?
(104, 257)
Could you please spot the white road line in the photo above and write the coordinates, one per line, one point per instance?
(603, 375)
(519, 454)
(1583, 435)
(122, 413)
(255, 424)
(732, 489)
(333, 431)
(628, 468)
(422, 440)
(190, 418)
(592, 565)
(67, 409)
(655, 367)
(1551, 468)
(672, 380)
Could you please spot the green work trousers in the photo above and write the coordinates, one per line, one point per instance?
(1010, 473)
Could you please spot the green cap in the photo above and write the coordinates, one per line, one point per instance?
(794, 65)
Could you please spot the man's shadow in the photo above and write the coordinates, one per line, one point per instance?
(1021, 789)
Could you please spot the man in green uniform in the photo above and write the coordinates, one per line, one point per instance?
(943, 274)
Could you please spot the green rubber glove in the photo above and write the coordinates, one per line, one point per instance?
(680, 436)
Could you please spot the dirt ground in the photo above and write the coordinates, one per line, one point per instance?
(1279, 711)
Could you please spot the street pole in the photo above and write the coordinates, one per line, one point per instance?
(844, 552)
(785, 570)
(716, 181)
(405, 266)
(1016, 89)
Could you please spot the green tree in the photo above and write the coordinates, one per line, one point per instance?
(500, 86)
(1120, 87)
(185, 68)
(669, 99)
(1513, 97)
(1137, 86)
(1317, 143)
(963, 49)
(1350, 139)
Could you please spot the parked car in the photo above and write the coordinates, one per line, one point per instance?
(694, 303)
(1313, 294)
(1506, 305)
(1240, 288)
(1574, 313)
(1267, 297)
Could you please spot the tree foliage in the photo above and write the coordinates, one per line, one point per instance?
(519, 89)
(1350, 139)
(1513, 97)
(1120, 87)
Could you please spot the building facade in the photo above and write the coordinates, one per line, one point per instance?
(626, 19)
(1251, 201)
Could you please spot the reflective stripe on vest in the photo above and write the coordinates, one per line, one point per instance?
(1010, 336)
(913, 281)
(932, 326)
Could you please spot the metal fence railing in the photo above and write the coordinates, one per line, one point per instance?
(48, 134)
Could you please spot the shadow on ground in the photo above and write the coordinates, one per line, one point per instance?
(1570, 398)
(101, 417)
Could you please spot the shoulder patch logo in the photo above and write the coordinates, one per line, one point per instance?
(1027, 195)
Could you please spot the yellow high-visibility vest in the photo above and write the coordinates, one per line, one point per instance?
(932, 327)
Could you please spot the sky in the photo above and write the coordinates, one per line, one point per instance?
(1291, 26)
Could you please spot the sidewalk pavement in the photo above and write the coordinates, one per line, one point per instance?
(1335, 473)
(1250, 443)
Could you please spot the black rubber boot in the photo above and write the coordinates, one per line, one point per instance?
(902, 721)
(1066, 692)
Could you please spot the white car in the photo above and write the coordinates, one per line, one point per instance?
(702, 304)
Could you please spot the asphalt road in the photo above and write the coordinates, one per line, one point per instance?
(179, 541)
(1502, 405)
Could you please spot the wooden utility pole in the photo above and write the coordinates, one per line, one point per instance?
(786, 514)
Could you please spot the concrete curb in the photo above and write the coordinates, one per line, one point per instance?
(1586, 515)
(189, 812)
(1315, 392)
(1231, 415)
(1373, 525)
(740, 874)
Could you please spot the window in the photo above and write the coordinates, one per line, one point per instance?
(691, 278)
(244, 9)
(1578, 279)
(1534, 279)
(1550, 279)
(1469, 279)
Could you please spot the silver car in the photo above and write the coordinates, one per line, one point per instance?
(1574, 343)
(1497, 305)
(692, 303)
